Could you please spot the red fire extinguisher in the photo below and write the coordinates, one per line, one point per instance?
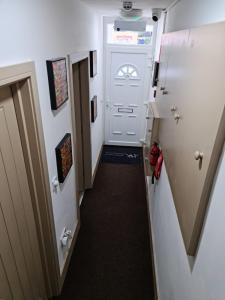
(157, 172)
(154, 154)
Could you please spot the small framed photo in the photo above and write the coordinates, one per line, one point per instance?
(93, 63)
(64, 157)
(57, 79)
(94, 109)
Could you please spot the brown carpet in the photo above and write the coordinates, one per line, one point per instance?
(111, 260)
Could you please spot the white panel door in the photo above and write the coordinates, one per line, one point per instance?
(127, 89)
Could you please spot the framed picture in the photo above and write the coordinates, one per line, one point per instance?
(94, 109)
(93, 63)
(57, 78)
(64, 157)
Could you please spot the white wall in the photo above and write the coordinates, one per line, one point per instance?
(97, 88)
(160, 28)
(40, 30)
(193, 13)
(176, 280)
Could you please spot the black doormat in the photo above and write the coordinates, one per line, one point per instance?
(122, 155)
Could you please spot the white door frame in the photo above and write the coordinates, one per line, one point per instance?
(127, 49)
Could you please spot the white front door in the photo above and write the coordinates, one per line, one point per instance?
(127, 90)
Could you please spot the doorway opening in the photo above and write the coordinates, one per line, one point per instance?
(82, 125)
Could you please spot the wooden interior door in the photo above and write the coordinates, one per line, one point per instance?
(79, 141)
(86, 121)
(82, 140)
(195, 88)
(20, 264)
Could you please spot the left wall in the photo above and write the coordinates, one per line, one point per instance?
(41, 30)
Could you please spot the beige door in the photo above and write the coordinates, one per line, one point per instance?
(192, 128)
(82, 126)
(20, 264)
(79, 142)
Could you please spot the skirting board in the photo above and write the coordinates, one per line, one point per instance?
(66, 266)
(151, 235)
(97, 165)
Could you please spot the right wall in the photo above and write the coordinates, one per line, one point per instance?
(177, 277)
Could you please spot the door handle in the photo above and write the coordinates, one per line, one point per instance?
(177, 117)
(173, 108)
(199, 155)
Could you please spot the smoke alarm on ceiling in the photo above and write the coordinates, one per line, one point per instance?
(129, 12)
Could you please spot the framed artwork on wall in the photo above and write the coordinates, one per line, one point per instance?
(57, 79)
(94, 109)
(93, 63)
(64, 157)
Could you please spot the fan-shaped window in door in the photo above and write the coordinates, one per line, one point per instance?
(127, 71)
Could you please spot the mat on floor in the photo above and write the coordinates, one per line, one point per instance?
(121, 155)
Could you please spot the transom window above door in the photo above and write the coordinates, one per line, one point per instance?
(127, 71)
(133, 38)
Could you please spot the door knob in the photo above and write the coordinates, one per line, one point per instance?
(165, 92)
(177, 117)
(199, 155)
(173, 108)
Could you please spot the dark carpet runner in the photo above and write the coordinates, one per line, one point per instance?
(111, 260)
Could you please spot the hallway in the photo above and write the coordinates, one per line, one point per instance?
(111, 260)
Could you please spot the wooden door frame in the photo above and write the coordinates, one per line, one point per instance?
(74, 58)
(22, 79)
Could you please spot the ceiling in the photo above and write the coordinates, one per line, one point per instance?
(115, 5)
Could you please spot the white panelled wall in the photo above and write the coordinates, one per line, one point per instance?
(41, 30)
(176, 279)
